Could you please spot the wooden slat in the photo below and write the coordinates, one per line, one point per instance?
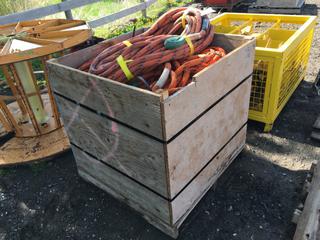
(316, 129)
(36, 52)
(123, 13)
(210, 84)
(65, 26)
(5, 122)
(68, 13)
(128, 151)
(9, 116)
(279, 4)
(44, 11)
(193, 148)
(316, 124)
(274, 10)
(121, 187)
(38, 40)
(190, 196)
(130, 105)
(13, 87)
(54, 107)
(309, 221)
(315, 135)
(37, 92)
(25, 100)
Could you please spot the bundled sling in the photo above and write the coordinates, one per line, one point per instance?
(165, 57)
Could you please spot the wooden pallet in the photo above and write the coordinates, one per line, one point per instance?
(158, 154)
(316, 129)
(277, 7)
(308, 219)
(274, 10)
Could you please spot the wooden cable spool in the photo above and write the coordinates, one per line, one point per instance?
(28, 111)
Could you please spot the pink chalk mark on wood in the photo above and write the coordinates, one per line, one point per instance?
(114, 125)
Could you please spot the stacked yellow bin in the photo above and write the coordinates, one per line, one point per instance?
(282, 53)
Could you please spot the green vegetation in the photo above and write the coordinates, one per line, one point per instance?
(98, 10)
(13, 6)
(95, 11)
(124, 25)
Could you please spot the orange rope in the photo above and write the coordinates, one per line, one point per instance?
(153, 65)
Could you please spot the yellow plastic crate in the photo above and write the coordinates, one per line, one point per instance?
(282, 53)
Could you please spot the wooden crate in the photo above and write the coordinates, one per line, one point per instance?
(156, 153)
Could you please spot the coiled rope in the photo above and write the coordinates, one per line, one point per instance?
(165, 57)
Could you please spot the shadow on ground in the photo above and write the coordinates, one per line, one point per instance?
(296, 119)
(254, 199)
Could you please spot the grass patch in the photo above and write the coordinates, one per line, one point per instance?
(106, 7)
(14, 6)
(97, 10)
(124, 25)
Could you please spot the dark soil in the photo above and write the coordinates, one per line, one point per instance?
(254, 199)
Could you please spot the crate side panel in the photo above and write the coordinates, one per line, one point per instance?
(229, 42)
(295, 67)
(137, 108)
(209, 86)
(190, 196)
(193, 148)
(131, 152)
(121, 187)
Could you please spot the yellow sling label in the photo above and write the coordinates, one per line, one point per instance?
(183, 21)
(189, 42)
(124, 67)
(127, 43)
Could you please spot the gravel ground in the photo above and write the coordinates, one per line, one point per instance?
(254, 199)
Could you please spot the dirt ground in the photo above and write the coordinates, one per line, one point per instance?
(254, 199)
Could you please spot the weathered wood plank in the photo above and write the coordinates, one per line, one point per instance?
(121, 187)
(190, 196)
(275, 10)
(308, 224)
(68, 13)
(121, 147)
(317, 123)
(123, 13)
(315, 135)
(279, 4)
(210, 84)
(136, 107)
(44, 11)
(193, 148)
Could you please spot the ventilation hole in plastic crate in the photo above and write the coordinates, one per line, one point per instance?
(261, 27)
(290, 26)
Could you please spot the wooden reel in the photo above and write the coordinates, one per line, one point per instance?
(28, 111)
